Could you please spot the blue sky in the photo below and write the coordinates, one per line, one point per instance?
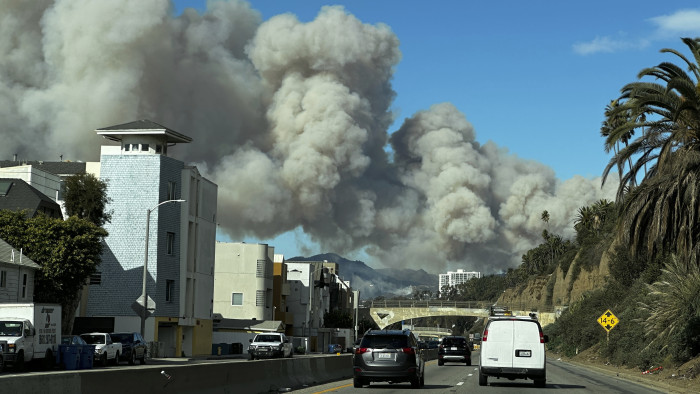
(533, 77)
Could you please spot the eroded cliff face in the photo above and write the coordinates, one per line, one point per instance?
(564, 289)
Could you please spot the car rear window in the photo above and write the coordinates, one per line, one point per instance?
(384, 341)
(454, 341)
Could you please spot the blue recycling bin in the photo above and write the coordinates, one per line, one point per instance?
(87, 356)
(70, 356)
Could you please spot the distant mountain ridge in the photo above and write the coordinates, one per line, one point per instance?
(380, 282)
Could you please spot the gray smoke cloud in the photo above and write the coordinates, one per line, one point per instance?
(290, 119)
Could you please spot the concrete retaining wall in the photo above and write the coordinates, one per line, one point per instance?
(208, 378)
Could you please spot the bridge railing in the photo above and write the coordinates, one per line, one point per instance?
(430, 303)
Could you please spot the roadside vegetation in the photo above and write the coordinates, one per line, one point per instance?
(650, 233)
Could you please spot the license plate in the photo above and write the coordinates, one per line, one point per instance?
(524, 353)
(453, 348)
(383, 355)
(264, 350)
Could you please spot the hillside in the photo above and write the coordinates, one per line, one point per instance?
(381, 282)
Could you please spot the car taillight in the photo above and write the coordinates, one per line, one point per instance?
(441, 347)
(361, 350)
(409, 350)
(541, 337)
(485, 335)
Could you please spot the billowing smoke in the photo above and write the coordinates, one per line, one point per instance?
(290, 119)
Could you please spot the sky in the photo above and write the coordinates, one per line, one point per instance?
(401, 133)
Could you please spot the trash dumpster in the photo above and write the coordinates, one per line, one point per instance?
(70, 356)
(237, 348)
(87, 356)
(335, 348)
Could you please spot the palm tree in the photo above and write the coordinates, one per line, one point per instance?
(663, 210)
(674, 307)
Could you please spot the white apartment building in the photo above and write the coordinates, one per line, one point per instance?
(309, 296)
(453, 278)
(243, 281)
(181, 236)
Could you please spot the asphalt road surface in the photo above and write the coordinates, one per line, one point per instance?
(562, 377)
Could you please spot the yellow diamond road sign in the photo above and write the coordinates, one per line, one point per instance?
(607, 320)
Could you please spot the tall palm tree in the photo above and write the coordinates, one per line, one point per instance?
(663, 210)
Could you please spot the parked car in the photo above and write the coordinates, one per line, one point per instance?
(72, 340)
(389, 356)
(454, 349)
(105, 348)
(133, 346)
(513, 348)
(269, 345)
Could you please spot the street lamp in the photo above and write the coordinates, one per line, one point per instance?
(144, 294)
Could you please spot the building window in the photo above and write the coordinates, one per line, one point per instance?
(260, 269)
(3, 278)
(260, 298)
(169, 289)
(127, 147)
(144, 147)
(24, 286)
(171, 190)
(236, 298)
(170, 244)
(96, 278)
(135, 147)
(159, 148)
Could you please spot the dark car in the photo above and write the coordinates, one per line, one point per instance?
(454, 349)
(388, 356)
(72, 340)
(133, 346)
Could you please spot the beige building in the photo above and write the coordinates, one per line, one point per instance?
(243, 281)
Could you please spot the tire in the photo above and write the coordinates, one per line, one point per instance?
(132, 358)
(357, 383)
(422, 379)
(19, 364)
(2, 363)
(103, 359)
(49, 360)
(291, 353)
(483, 380)
(116, 358)
(252, 357)
(540, 383)
(415, 382)
(143, 357)
(469, 362)
(441, 362)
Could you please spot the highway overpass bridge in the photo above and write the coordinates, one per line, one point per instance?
(387, 312)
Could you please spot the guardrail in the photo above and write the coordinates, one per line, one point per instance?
(430, 303)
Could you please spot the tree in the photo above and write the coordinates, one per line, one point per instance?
(68, 252)
(86, 198)
(674, 310)
(661, 213)
(337, 319)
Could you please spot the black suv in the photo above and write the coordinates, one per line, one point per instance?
(388, 356)
(454, 348)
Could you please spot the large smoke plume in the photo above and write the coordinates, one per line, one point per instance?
(290, 119)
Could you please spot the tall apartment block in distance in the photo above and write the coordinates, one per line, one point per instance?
(453, 278)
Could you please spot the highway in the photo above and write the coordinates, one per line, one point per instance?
(562, 378)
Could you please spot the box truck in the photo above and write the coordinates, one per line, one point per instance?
(32, 332)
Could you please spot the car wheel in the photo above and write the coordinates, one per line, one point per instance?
(469, 362)
(103, 359)
(143, 357)
(132, 358)
(483, 380)
(252, 357)
(441, 363)
(2, 363)
(540, 383)
(19, 364)
(422, 379)
(357, 383)
(116, 359)
(415, 382)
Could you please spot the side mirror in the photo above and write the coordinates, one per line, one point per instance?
(250, 340)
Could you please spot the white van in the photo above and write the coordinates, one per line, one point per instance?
(513, 348)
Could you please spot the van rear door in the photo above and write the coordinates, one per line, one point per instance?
(528, 351)
(499, 351)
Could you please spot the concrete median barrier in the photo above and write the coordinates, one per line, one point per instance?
(206, 377)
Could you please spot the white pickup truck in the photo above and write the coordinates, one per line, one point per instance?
(105, 349)
(270, 345)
